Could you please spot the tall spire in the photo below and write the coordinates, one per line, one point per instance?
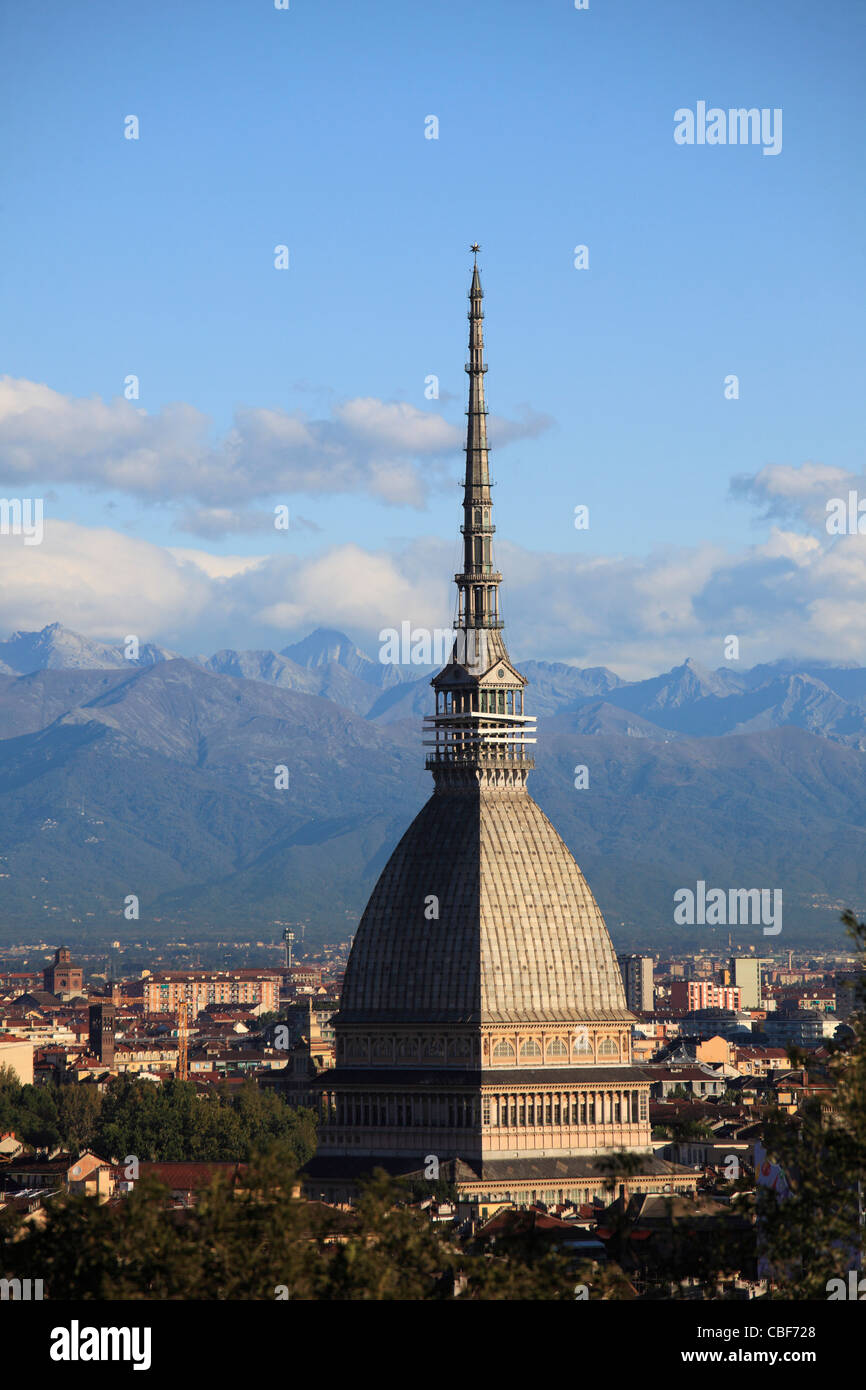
(479, 729)
(478, 584)
(476, 435)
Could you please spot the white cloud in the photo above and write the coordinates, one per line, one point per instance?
(99, 582)
(388, 450)
(797, 494)
(793, 594)
(217, 566)
(214, 523)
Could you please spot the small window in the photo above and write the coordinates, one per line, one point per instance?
(503, 1049)
(530, 1048)
(557, 1048)
(608, 1048)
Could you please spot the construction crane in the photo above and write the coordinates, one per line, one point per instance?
(182, 1069)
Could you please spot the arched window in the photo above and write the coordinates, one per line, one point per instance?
(557, 1048)
(582, 1046)
(608, 1047)
(503, 1049)
(530, 1048)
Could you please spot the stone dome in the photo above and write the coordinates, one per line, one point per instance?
(519, 937)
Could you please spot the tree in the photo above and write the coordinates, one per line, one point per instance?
(261, 1242)
(813, 1233)
(31, 1111)
(78, 1110)
(174, 1121)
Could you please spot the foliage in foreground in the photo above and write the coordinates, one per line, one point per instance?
(814, 1233)
(261, 1243)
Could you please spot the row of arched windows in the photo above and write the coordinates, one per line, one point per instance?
(556, 1047)
(531, 1049)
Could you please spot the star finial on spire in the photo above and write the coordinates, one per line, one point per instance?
(475, 248)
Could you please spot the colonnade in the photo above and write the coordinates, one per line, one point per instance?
(521, 1109)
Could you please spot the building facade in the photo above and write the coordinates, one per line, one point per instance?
(16, 1053)
(62, 976)
(637, 981)
(803, 1027)
(169, 990)
(102, 1024)
(483, 1022)
(692, 995)
(746, 973)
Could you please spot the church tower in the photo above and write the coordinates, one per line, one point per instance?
(483, 1030)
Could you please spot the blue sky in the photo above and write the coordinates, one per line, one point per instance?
(305, 127)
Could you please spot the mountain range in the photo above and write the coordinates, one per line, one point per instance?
(160, 779)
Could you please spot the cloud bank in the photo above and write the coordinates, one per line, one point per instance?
(388, 450)
(797, 592)
(794, 593)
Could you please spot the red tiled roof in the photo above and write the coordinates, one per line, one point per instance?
(524, 1221)
(187, 1177)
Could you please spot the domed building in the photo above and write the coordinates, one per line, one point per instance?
(483, 1033)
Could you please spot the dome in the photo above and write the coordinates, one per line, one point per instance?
(519, 937)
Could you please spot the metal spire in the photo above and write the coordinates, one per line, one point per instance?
(480, 730)
(478, 585)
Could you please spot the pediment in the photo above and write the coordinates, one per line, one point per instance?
(501, 673)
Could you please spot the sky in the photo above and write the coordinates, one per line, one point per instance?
(149, 265)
